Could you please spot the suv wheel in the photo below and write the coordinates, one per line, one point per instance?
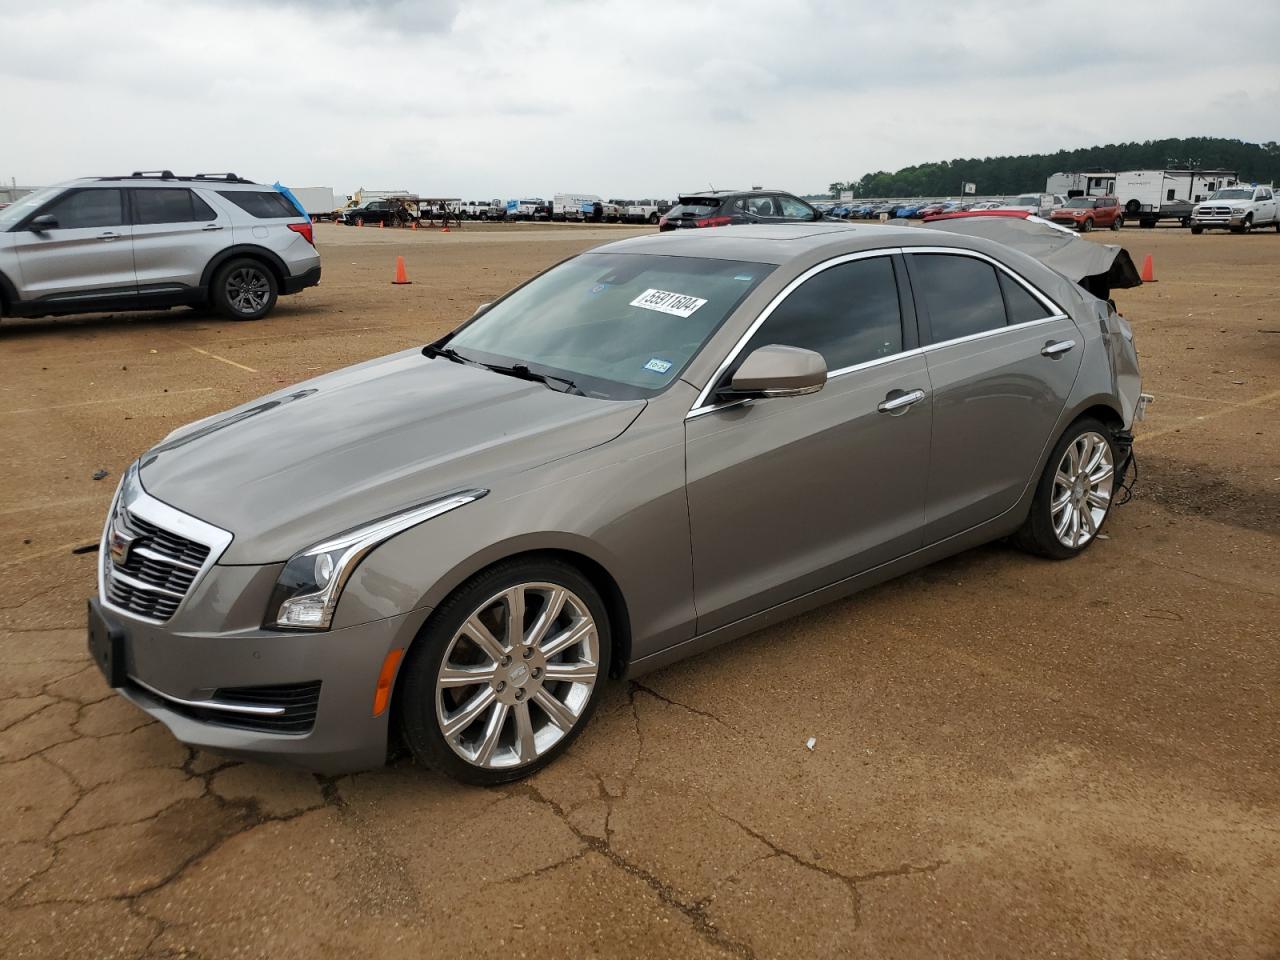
(1073, 498)
(1086, 226)
(506, 673)
(1117, 223)
(244, 289)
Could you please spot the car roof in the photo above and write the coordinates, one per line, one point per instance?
(721, 194)
(780, 243)
(168, 179)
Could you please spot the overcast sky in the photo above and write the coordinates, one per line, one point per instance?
(507, 98)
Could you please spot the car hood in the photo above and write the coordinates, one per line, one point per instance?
(329, 454)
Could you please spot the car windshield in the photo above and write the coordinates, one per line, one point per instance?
(619, 326)
(24, 205)
(1231, 195)
(1080, 203)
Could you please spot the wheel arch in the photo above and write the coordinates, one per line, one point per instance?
(8, 295)
(250, 251)
(569, 549)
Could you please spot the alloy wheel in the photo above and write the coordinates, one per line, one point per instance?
(248, 290)
(517, 675)
(1082, 489)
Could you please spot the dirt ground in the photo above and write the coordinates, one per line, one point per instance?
(1013, 758)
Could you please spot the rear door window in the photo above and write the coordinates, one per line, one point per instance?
(1020, 305)
(849, 313)
(794, 209)
(263, 204)
(82, 209)
(961, 293)
(169, 205)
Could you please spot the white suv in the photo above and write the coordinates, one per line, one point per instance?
(1238, 209)
(154, 240)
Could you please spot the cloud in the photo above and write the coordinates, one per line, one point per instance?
(491, 98)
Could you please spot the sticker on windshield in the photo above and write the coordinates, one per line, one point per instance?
(658, 366)
(664, 301)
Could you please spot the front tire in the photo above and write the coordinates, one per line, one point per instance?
(1117, 223)
(506, 673)
(1197, 230)
(1073, 498)
(244, 289)
(1086, 226)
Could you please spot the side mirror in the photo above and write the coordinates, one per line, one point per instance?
(817, 215)
(778, 371)
(46, 221)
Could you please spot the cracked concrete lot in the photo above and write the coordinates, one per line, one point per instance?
(1013, 758)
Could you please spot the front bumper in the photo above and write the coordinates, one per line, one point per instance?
(303, 280)
(195, 684)
(1209, 221)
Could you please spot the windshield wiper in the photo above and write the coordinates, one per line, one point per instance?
(431, 350)
(522, 372)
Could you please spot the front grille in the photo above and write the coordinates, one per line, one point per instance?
(174, 547)
(158, 570)
(1215, 211)
(299, 700)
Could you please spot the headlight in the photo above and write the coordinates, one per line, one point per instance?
(1239, 210)
(308, 589)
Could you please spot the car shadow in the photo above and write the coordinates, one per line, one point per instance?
(176, 318)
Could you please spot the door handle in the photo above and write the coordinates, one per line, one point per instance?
(107, 237)
(901, 402)
(211, 227)
(1056, 348)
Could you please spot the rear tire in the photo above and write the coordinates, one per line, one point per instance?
(529, 717)
(1117, 223)
(1086, 226)
(244, 289)
(1074, 495)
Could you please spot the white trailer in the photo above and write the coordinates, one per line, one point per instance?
(1149, 196)
(319, 202)
(1087, 184)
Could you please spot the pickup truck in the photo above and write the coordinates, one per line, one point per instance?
(645, 211)
(1238, 209)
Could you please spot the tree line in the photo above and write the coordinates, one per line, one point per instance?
(1258, 162)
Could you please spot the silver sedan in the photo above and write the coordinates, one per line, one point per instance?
(648, 450)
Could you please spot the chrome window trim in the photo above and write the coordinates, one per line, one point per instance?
(131, 495)
(210, 704)
(700, 405)
(1047, 302)
(994, 331)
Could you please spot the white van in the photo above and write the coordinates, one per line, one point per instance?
(576, 206)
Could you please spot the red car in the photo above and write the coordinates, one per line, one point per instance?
(1085, 213)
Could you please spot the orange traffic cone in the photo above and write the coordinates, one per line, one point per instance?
(382, 223)
(1148, 270)
(401, 276)
(445, 228)
(414, 224)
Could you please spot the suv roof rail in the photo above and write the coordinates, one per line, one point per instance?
(170, 175)
(229, 177)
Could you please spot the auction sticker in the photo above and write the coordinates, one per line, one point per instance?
(658, 366)
(664, 301)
